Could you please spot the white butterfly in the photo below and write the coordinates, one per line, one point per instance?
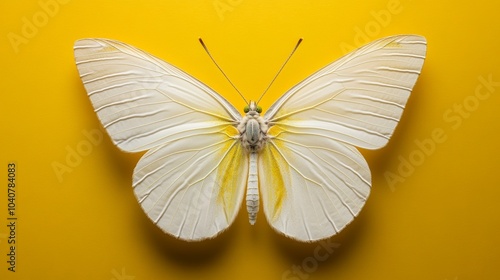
(202, 153)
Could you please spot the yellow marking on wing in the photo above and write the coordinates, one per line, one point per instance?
(277, 178)
(233, 156)
(229, 131)
(275, 131)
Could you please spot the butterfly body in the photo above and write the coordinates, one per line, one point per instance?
(253, 133)
(298, 161)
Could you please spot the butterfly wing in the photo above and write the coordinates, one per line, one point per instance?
(319, 181)
(193, 188)
(311, 186)
(144, 103)
(141, 100)
(359, 98)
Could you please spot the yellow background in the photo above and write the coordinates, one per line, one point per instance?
(434, 208)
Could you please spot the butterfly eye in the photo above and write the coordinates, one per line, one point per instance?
(246, 109)
(259, 109)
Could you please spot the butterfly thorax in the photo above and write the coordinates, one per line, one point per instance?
(252, 128)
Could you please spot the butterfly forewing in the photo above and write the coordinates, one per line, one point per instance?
(359, 98)
(143, 101)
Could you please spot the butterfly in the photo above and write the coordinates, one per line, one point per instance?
(203, 157)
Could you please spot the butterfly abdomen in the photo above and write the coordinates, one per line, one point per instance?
(252, 190)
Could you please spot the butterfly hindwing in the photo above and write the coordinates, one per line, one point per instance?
(311, 186)
(193, 188)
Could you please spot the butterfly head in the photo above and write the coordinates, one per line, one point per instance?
(252, 109)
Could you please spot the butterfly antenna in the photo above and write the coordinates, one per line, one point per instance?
(279, 71)
(220, 69)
